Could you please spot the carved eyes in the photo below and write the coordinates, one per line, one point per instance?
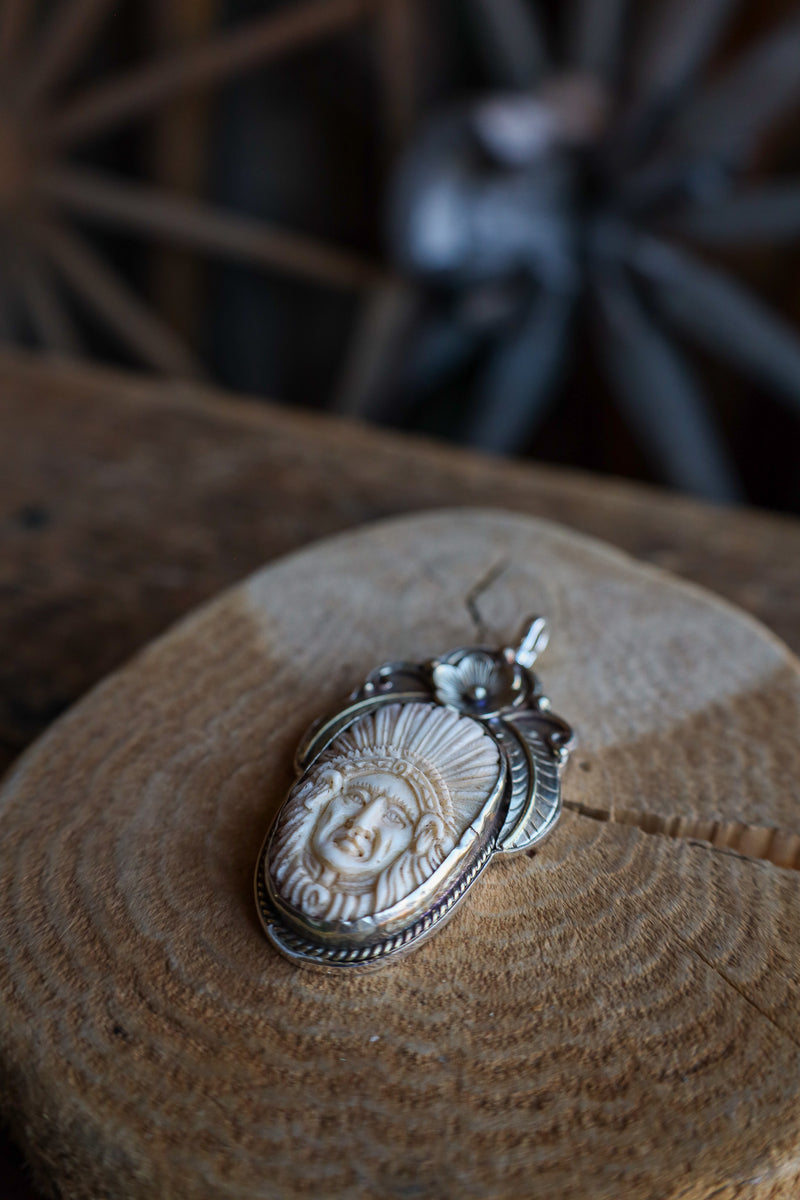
(356, 799)
(392, 813)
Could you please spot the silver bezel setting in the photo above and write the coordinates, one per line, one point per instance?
(495, 688)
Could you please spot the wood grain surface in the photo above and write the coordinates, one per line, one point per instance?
(125, 501)
(616, 1015)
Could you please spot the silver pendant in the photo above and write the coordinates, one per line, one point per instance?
(403, 797)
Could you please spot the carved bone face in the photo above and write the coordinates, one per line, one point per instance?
(381, 808)
(370, 819)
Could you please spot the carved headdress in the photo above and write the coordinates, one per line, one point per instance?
(450, 763)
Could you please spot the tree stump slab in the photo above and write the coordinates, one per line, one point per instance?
(614, 1015)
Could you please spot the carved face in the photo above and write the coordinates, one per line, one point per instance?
(379, 811)
(366, 824)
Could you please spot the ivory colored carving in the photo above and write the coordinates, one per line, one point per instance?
(404, 796)
(380, 810)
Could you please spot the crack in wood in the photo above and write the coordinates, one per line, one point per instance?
(779, 847)
(479, 589)
(712, 966)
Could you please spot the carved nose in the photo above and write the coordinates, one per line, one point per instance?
(367, 819)
(363, 831)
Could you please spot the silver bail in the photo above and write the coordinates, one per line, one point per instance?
(532, 642)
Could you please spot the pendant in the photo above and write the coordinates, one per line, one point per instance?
(403, 797)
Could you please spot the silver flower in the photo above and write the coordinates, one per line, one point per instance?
(478, 683)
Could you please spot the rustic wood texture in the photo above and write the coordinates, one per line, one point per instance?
(614, 1015)
(125, 501)
(46, 262)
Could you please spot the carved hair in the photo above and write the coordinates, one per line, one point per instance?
(449, 762)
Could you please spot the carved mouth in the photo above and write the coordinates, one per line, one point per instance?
(356, 845)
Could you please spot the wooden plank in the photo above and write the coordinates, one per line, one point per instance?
(614, 1016)
(127, 501)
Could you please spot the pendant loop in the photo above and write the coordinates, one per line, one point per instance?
(533, 640)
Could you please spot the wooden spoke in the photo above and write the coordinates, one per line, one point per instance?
(511, 40)
(731, 115)
(674, 40)
(180, 158)
(49, 319)
(769, 213)
(7, 315)
(66, 37)
(593, 30)
(141, 90)
(15, 16)
(396, 35)
(656, 389)
(189, 223)
(374, 349)
(114, 304)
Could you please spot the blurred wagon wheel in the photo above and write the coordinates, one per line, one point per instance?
(600, 146)
(608, 148)
(42, 189)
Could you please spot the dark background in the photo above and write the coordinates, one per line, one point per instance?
(303, 142)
